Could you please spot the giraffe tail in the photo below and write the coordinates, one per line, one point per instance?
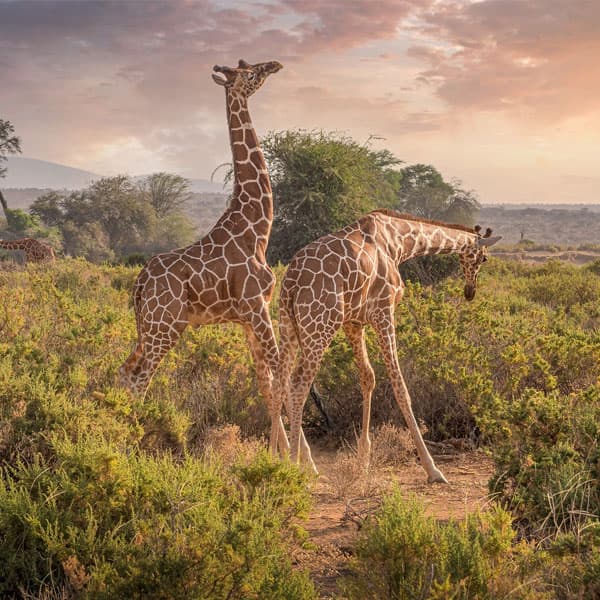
(318, 400)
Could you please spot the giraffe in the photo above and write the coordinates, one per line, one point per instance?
(35, 251)
(350, 279)
(224, 276)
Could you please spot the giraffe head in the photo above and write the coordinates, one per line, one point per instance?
(245, 79)
(473, 256)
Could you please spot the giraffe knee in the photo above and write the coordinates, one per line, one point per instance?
(369, 381)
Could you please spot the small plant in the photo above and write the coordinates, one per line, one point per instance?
(403, 554)
(392, 446)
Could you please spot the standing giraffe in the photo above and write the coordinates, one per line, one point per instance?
(350, 279)
(223, 277)
(35, 251)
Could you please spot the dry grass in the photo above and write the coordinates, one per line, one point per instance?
(392, 446)
(226, 444)
(49, 592)
(350, 478)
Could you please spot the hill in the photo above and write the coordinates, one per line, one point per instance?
(33, 173)
(28, 173)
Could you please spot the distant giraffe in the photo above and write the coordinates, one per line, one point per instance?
(35, 251)
(224, 277)
(350, 279)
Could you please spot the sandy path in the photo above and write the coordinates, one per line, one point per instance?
(335, 518)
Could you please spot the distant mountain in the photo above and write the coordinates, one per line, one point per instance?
(33, 173)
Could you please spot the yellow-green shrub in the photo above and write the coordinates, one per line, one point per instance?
(112, 524)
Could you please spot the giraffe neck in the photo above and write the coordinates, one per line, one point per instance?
(252, 200)
(410, 239)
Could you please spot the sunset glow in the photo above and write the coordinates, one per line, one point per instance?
(502, 94)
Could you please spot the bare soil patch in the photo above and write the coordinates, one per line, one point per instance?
(337, 517)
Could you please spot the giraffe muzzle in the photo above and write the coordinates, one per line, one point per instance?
(273, 66)
(469, 291)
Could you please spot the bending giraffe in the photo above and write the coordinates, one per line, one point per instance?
(224, 277)
(350, 279)
(35, 251)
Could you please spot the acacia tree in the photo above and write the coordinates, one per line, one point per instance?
(168, 193)
(17, 220)
(322, 182)
(424, 193)
(114, 217)
(9, 143)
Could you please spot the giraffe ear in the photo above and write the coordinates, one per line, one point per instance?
(242, 64)
(489, 241)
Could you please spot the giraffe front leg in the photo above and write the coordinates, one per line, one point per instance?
(385, 330)
(263, 347)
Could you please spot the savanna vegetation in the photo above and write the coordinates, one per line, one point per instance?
(105, 496)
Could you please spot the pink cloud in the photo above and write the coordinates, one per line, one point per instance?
(535, 58)
(80, 74)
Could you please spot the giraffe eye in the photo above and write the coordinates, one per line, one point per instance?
(251, 76)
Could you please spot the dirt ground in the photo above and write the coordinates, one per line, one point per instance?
(340, 504)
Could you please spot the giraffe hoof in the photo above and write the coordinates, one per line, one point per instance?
(437, 477)
(311, 468)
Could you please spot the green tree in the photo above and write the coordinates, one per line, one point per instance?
(17, 220)
(49, 208)
(127, 218)
(322, 182)
(424, 193)
(9, 143)
(115, 217)
(168, 193)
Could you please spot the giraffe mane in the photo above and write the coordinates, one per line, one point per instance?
(396, 214)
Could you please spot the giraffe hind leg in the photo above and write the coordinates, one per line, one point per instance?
(157, 334)
(356, 336)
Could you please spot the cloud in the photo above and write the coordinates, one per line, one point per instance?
(535, 59)
(79, 76)
(341, 24)
(112, 86)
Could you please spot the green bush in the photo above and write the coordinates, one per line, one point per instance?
(111, 524)
(548, 464)
(404, 554)
(517, 370)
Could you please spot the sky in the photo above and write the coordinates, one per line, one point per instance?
(503, 95)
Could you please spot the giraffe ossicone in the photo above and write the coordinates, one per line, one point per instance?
(224, 277)
(350, 279)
